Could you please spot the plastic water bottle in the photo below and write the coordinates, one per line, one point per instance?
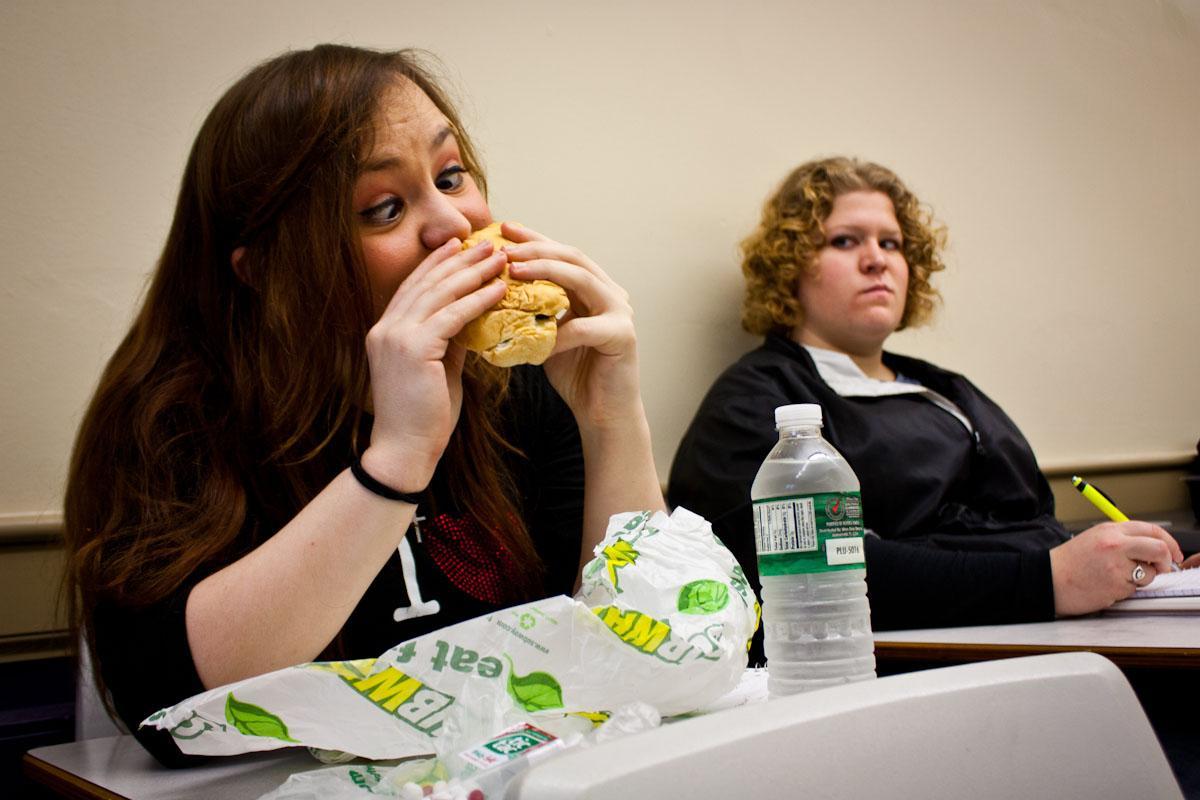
(808, 528)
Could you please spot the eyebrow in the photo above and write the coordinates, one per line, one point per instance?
(860, 229)
(388, 162)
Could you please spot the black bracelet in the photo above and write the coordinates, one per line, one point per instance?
(383, 490)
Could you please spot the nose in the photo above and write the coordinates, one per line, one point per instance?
(872, 257)
(442, 220)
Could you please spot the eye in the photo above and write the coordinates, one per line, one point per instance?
(451, 179)
(842, 242)
(890, 244)
(383, 213)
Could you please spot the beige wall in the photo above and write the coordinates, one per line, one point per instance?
(1058, 140)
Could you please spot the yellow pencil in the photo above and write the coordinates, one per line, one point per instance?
(1100, 500)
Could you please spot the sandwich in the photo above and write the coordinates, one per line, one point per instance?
(523, 326)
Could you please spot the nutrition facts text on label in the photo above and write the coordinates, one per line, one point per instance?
(809, 533)
(786, 525)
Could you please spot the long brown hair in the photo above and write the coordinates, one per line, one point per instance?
(791, 233)
(245, 390)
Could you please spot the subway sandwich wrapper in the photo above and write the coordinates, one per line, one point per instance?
(663, 618)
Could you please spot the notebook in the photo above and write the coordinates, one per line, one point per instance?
(1169, 591)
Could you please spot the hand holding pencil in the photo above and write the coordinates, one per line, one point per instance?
(1107, 507)
(1110, 561)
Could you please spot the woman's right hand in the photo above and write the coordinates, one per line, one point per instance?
(416, 370)
(1095, 569)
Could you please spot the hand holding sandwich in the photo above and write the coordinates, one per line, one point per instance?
(416, 370)
(418, 346)
(594, 368)
(593, 365)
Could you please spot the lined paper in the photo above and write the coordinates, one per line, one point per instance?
(1185, 583)
(1168, 592)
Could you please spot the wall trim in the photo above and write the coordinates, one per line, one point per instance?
(44, 644)
(1109, 466)
(37, 527)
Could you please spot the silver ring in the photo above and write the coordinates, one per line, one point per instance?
(1138, 573)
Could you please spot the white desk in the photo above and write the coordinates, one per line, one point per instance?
(1159, 654)
(117, 768)
(1129, 640)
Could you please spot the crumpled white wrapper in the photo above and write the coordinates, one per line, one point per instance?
(663, 617)
(407, 779)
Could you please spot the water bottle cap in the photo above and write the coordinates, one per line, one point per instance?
(798, 414)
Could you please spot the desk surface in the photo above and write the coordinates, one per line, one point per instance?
(117, 768)
(1129, 640)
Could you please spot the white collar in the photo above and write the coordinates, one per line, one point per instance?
(846, 378)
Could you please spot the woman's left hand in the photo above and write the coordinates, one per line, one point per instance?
(594, 364)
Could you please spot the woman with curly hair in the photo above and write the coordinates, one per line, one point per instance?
(961, 521)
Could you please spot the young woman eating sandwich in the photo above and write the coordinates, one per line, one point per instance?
(288, 457)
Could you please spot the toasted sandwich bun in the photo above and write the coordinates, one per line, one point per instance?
(523, 326)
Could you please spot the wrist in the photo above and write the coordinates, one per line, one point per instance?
(608, 423)
(376, 487)
(620, 439)
(398, 474)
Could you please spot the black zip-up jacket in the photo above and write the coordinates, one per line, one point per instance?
(964, 523)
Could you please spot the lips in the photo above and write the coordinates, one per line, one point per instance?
(878, 288)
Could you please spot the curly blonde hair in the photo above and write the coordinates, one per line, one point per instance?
(790, 235)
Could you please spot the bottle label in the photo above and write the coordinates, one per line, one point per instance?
(809, 533)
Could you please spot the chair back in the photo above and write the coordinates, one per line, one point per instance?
(1066, 725)
(91, 719)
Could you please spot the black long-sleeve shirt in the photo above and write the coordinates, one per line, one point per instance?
(144, 654)
(964, 521)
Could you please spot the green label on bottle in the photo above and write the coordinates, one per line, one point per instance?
(800, 534)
